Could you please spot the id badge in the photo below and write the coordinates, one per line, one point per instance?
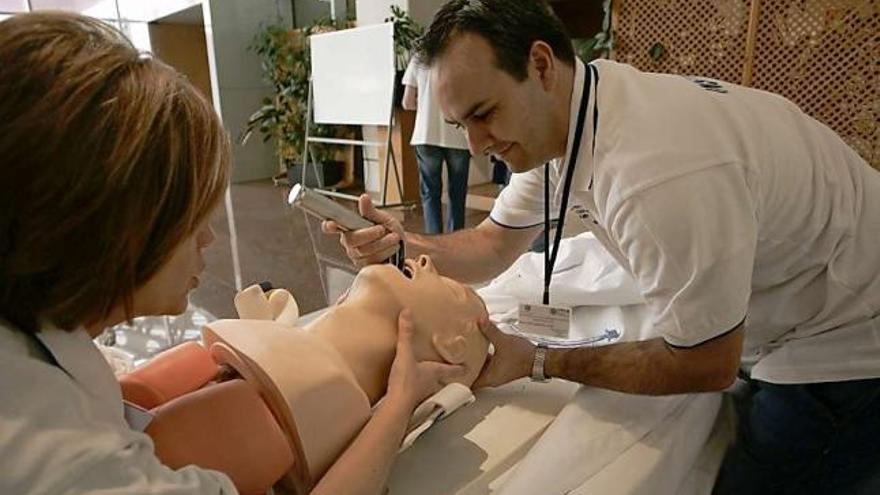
(544, 320)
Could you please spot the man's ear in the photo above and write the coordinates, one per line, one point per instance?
(452, 348)
(543, 62)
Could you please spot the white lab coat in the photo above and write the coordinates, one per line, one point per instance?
(67, 434)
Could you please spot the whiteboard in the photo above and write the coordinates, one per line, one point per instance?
(353, 75)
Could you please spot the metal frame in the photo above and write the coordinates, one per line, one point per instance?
(309, 158)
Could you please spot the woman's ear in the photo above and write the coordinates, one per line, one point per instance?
(452, 348)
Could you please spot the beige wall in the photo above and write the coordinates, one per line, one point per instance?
(183, 47)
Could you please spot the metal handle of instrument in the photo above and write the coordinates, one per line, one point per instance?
(324, 208)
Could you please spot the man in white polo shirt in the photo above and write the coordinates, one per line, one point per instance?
(750, 228)
(436, 142)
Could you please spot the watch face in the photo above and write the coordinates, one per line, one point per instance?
(538, 374)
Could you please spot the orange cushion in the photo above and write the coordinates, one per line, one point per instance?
(170, 374)
(226, 427)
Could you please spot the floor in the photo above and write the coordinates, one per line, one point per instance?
(276, 244)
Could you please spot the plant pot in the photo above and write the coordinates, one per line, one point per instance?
(330, 172)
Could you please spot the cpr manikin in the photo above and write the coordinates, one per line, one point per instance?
(307, 391)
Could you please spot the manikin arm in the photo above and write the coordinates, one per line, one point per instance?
(469, 255)
(170, 374)
(226, 427)
(650, 367)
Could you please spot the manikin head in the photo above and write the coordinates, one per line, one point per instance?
(320, 381)
(502, 71)
(444, 311)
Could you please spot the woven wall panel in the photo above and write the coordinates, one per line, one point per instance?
(825, 56)
(822, 54)
(694, 37)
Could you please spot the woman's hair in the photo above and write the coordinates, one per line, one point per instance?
(109, 159)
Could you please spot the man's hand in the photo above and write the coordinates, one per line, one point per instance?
(511, 360)
(373, 244)
(412, 381)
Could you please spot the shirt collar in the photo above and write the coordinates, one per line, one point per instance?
(77, 354)
(584, 171)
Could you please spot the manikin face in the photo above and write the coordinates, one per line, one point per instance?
(510, 119)
(445, 312)
(166, 293)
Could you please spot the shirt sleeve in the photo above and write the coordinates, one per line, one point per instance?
(135, 469)
(411, 76)
(691, 245)
(521, 203)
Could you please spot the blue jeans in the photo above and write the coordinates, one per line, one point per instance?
(818, 438)
(431, 160)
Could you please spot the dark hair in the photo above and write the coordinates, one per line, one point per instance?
(109, 159)
(510, 27)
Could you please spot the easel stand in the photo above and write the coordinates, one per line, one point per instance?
(389, 162)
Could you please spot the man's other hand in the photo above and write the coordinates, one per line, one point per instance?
(373, 244)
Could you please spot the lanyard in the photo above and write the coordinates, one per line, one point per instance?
(550, 259)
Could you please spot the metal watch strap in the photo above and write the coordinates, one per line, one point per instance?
(538, 374)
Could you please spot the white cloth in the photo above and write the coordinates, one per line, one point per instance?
(430, 127)
(604, 441)
(610, 443)
(726, 204)
(586, 278)
(67, 434)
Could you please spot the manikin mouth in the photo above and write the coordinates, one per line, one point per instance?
(412, 267)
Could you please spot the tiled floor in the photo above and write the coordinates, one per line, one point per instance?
(276, 243)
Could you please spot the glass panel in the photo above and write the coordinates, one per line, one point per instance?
(139, 34)
(139, 10)
(102, 9)
(9, 6)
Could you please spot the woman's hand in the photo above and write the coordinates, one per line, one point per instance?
(411, 381)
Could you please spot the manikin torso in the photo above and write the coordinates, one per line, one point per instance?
(321, 380)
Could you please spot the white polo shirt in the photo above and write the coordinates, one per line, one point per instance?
(727, 204)
(430, 128)
(63, 433)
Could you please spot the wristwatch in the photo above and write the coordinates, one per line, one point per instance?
(538, 374)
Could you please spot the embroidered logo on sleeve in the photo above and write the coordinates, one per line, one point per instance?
(707, 84)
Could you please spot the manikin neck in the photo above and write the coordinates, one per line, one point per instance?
(365, 337)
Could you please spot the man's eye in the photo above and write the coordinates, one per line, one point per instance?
(485, 115)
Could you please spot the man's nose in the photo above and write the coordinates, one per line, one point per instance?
(479, 140)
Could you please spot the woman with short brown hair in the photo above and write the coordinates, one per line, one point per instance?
(110, 164)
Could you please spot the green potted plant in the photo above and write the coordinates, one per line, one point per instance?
(406, 32)
(285, 60)
(601, 43)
